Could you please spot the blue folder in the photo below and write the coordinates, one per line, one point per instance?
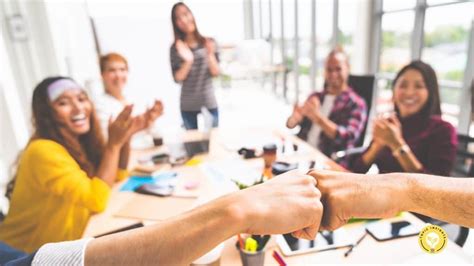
(135, 181)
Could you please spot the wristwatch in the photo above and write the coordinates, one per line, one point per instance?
(402, 150)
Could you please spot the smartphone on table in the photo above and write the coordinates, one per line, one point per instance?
(386, 230)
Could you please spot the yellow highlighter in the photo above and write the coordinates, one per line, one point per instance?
(251, 245)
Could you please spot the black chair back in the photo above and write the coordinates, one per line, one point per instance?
(464, 164)
(364, 86)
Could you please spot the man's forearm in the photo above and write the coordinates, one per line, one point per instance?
(348, 195)
(445, 198)
(292, 122)
(176, 241)
(329, 128)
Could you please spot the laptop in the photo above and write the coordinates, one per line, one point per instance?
(187, 150)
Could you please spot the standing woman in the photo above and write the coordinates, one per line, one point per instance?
(66, 171)
(194, 61)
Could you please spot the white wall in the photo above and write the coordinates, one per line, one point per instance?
(73, 42)
(142, 32)
(223, 20)
(13, 130)
(59, 42)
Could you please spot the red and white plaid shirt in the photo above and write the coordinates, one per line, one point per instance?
(349, 113)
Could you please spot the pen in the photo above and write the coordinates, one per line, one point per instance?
(241, 242)
(353, 246)
(282, 144)
(278, 258)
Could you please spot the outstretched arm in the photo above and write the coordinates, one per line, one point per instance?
(347, 195)
(290, 201)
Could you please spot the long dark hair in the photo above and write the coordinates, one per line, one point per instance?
(86, 150)
(179, 34)
(433, 105)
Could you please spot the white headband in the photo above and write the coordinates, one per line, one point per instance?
(58, 87)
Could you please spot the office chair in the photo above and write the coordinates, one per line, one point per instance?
(464, 164)
(364, 86)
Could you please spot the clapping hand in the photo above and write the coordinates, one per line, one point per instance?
(311, 109)
(184, 51)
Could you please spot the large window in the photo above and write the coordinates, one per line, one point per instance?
(446, 36)
(436, 2)
(435, 31)
(446, 25)
(396, 38)
(391, 5)
(348, 24)
(304, 60)
(324, 32)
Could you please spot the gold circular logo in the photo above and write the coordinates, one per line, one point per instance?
(432, 239)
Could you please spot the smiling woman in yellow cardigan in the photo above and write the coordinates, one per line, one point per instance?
(53, 198)
(66, 171)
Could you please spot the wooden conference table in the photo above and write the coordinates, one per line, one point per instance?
(126, 208)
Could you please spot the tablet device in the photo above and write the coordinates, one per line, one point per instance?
(325, 240)
(385, 230)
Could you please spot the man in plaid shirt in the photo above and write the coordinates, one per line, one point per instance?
(331, 120)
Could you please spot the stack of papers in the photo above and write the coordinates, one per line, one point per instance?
(232, 170)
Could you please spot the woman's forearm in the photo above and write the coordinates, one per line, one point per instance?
(407, 159)
(371, 154)
(107, 170)
(409, 162)
(124, 156)
(213, 65)
(182, 73)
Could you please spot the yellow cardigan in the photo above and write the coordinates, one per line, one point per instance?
(53, 198)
